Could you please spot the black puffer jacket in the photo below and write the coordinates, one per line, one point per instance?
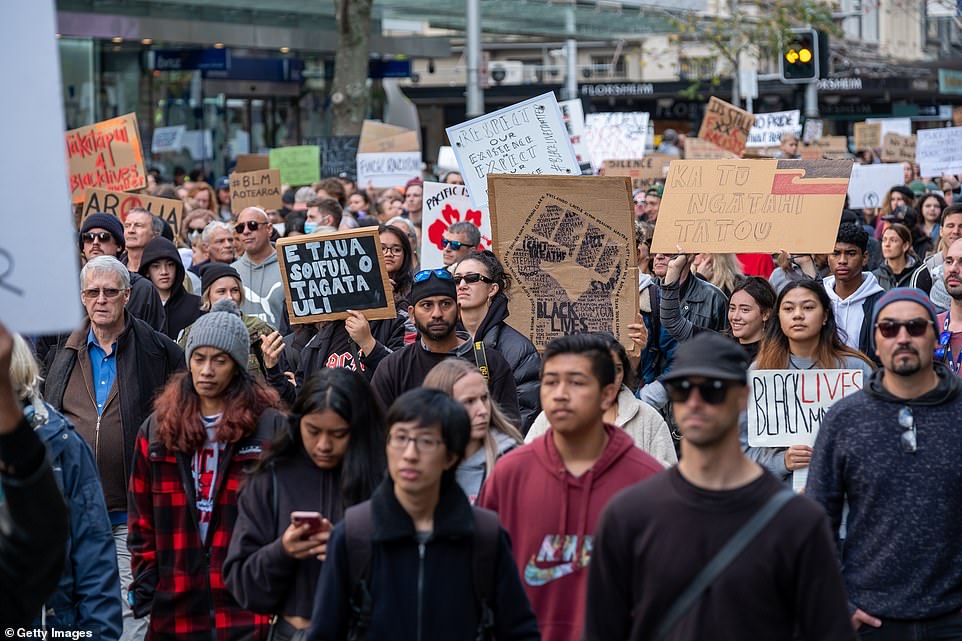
(182, 308)
(915, 274)
(521, 355)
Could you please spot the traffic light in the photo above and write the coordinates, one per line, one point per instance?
(799, 59)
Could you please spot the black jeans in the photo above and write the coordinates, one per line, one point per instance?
(944, 628)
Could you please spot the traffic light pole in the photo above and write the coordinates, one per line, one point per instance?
(811, 99)
(475, 97)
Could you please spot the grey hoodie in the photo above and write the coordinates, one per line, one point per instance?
(849, 313)
(263, 289)
(472, 471)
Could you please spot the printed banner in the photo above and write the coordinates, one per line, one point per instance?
(568, 245)
(299, 166)
(327, 274)
(445, 205)
(106, 155)
(748, 206)
(118, 203)
(255, 189)
(615, 135)
(939, 151)
(529, 137)
(768, 128)
(726, 126)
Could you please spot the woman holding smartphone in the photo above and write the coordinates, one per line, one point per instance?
(331, 456)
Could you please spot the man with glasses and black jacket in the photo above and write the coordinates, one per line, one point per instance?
(892, 452)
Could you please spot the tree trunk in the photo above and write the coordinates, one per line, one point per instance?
(349, 93)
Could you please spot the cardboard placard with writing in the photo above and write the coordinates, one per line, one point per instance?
(299, 166)
(827, 147)
(869, 183)
(327, 274)
(568, 245)
(377, 137)
(118, 203)
(726, 126)
(939, 151)
(615, 135)
(644, 172)
(769, 128)
(748, 206)
(445, 205)
(868, 135)
(898, 148)
(251, 162)
(106, 155)
(255, 189)
(529, 137)
(698, 149)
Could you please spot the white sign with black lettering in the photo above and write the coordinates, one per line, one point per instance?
(768, 128)
(939, 151)
(391, 169)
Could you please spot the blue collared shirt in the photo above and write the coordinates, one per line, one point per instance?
(104, 369)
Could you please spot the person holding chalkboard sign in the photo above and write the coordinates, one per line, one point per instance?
(805, 337)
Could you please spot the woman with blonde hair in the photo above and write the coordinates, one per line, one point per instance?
(492, 434)
(721, 270)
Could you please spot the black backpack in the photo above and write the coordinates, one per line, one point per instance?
(358, 532)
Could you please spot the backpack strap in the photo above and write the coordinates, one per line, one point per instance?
(484, 565)
(481, 360)
(358, 534)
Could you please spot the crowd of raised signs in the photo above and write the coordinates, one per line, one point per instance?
(209, 441)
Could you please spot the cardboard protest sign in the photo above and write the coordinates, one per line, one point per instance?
(119, 203)
(726, 126)
(764, 206)
(615, 135)
(327, 274)
(568, 245)
(698, 149)
(299, 166)
(833, 146)
(338, 154)
(388, 156)
(939, 151)
(573, 113)
(168, 139)
(255, 189)
(529, 137)
(897, 148)
(445, 205)
(768, 128)
(868, 135)
(377, 137)
(869, 183)
(812, 130)
(39, 285)
(900, 126)
(106, 155)
(643, 172)
(251, 162)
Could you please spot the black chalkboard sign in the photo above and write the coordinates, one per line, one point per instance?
(327, 274)
(338, 154)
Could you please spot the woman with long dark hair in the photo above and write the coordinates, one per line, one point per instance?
(399, 262)
(330, 457)
(209, 425)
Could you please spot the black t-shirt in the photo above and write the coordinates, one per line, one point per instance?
(342, 349)
(655, 537)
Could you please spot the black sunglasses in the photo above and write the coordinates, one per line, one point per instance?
(712, 391)
(102, 236)
(915, 327)
(472, 278)
(455, 245)
(425, 274)
(252, 225)
(909, 437)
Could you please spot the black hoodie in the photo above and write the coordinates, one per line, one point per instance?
(182, 308)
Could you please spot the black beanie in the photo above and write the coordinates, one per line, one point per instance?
(213, 271)
(433, 286)
(108, 222)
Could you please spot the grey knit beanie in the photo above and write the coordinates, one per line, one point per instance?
(222, 328)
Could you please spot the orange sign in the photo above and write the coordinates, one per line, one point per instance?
(105, 155)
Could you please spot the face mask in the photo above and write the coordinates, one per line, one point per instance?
(309, 227)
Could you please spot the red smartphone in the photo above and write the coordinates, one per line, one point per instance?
(314, 520)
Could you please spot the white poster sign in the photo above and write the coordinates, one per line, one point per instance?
(869, 183)
(445, 205)
(768, 128)
(168, 139)
(900, 126)
(574, 117)
(939, 151)
(39, 290)
(529, 137)
(388, 169)
(616, 136)
(199, 143)
(447, 161)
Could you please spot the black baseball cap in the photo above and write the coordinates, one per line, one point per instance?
(709, 355)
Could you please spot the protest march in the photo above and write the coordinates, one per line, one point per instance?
(605, 380)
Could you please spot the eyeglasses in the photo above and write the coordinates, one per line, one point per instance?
(394, 250)
(712, 392)
(455, 245)
(472, 278)
(909, 438)
(102, 236)
(425, 274)
(424, 444)
(108, 292)
(915, 327)
(252, 225)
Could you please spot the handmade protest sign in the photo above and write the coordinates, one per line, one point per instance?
(573, 113)
(119, 203)
(338, 154)
(327, 274)
(251, 162)
(298, 165)
(106, 155)
(726, 126)
(812, 130)
(388, 169)
(868, 135)
(168, 139)
(255, 189)
(698, 149)
(900, 126)
(615, 135)
(526, 138)
(869, 183)
(897, 148)
(644, 172)
(768, 128)
(830, 147)
(567, 244)
(939, 151)
(445, 205)
(751, 206)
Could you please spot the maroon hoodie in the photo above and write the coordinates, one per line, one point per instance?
(551, 516)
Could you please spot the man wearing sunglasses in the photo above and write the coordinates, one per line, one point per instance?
(259, 270)
(892, 452)
(656, 537)
(459, 240)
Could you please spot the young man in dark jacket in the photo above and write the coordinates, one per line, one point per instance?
(162, 265)
(419, 576)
